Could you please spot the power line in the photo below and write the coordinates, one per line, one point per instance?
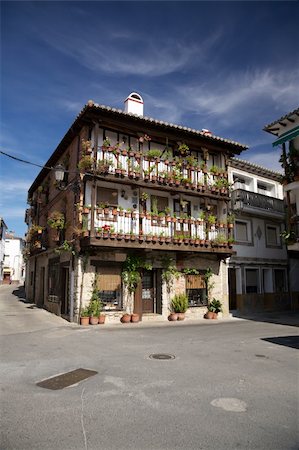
(31, 163)
(24, 161)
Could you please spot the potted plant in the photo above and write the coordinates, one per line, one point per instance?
(179, 305)
(84, 316)
(230, 220)
(214, 307)
(94, 307)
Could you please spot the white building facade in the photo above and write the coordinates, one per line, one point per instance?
(14, 266)
(258, 272)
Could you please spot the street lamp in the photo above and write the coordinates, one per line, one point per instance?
(59, 171)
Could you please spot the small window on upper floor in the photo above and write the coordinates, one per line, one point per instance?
(107, 196)
(242, 231)
(272, 235)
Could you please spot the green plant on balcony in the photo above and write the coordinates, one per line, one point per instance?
(86, 163)
(56, 220)
(289, 237)
(66, 246)
(183, 149)
(230, 218)
(86, 145)
(214, 169)
(202, 215)
(220, 239)
(154, 154)
(104, 165)
(211, 219)
(192, 161)
(106, 143)
(154, 206)
(222, 183)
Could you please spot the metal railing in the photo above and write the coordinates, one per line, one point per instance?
(241, 199)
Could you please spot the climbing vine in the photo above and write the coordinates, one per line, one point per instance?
(131, 271)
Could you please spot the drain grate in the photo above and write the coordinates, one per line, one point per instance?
(261, 356)
(66, 379)
(161, 356)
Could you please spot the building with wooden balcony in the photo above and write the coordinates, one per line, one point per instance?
(133, 188)
(258, 271)
(286, 131)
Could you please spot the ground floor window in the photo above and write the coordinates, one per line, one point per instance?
(109, 287)
(196, 290)
(252, 281)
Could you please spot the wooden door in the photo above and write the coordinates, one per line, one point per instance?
(147, 291)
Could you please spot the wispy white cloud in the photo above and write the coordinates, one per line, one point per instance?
(238, 93)
(126, 53)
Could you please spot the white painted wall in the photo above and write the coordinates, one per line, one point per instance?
(14, 258)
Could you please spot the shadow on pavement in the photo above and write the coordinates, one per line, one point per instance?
(288, 341)
(20, 294)
(290, 318)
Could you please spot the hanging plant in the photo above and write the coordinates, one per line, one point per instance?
(56, 220)
(131, 272)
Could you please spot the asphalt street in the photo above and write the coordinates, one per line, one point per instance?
(232, 384)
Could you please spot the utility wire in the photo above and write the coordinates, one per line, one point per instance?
(31, 163)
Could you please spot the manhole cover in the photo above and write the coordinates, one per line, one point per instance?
(161, 356)
(66, 379)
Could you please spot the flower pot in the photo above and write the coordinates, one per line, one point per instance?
(173, 317)
(126, 318)
(215, 315)
(134, 318)
(181, 316)
(84, 321)
(209, 315)
(102, 319)
(93, 320)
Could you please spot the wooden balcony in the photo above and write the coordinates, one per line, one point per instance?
(135, 169)
(124, 229)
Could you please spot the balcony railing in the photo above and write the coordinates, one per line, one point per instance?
(177, 173)
(135, 226)
(243, 199)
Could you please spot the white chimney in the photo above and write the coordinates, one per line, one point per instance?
(134, 104)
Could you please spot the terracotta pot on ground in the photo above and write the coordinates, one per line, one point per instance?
(215, 315)
(126, 318)
(102, 319)
(84, 321)
(181, 316)
(93, 320)
(209, 315)
(134, 318)
(172, 317)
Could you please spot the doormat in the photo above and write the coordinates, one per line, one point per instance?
(66, 379)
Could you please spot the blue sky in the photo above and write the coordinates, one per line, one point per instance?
(231, 67)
